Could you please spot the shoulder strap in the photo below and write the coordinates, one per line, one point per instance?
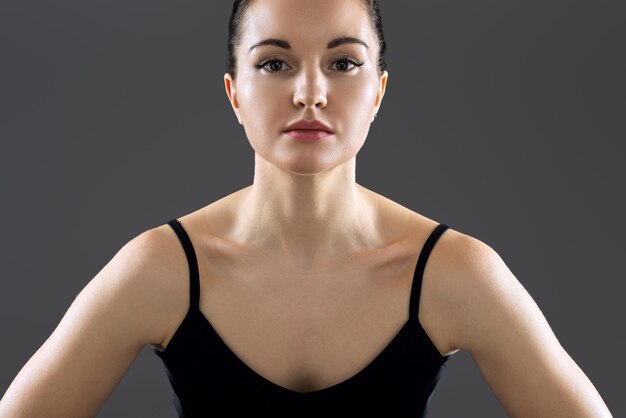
(194, 279)
(416, 286)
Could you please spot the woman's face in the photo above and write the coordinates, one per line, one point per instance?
(306, 81)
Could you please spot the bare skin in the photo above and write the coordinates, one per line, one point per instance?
(307, 327)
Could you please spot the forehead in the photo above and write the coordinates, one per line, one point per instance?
(306, 22)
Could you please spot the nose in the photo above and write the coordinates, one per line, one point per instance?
(310, 93)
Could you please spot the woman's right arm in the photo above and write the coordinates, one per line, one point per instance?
(116, 314)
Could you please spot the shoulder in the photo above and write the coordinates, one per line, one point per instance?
(156, 262)
(156, 252)
(457, 275)
(476, 291)
(491, 315)
(110, 320)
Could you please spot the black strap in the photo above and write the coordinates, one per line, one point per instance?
(194, 277)
(416, 286)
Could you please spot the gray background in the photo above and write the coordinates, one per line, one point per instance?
(502, 119)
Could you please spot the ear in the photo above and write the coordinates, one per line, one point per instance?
(382, 86)
(231, 92)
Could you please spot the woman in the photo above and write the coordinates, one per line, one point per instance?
(304, 294)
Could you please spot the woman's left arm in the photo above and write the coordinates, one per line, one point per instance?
(518, 354)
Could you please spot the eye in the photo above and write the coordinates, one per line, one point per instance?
(354, 62)
(263, 65)
(269, 61)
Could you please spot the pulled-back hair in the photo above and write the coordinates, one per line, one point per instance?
(237, 19)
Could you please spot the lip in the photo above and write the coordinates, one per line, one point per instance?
(308, 134)
(314, 124)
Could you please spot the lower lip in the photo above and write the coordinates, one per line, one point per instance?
(308, 135)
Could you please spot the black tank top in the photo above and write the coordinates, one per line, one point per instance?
(209, 380)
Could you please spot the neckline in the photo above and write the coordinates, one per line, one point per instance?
(415, 291)
(328, 389)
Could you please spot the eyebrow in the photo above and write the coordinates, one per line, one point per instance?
(332, 44)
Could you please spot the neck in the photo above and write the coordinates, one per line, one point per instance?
(307, 219)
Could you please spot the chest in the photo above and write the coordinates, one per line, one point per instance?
(308, 330)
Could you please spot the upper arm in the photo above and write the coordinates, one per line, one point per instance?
(518, 354)
(97, 340)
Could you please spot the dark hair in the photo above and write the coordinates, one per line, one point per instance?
(237, 19)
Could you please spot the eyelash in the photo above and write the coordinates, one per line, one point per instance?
(353, 61)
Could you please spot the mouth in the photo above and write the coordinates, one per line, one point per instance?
(313, 124)
(308, 134)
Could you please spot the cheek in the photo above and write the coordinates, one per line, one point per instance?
(356, 108)
(262, 108)
(264, 117)
(254, 97)
(359, 95)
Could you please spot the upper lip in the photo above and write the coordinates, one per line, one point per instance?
(309, 124)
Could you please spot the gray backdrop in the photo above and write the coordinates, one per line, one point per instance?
(502, 119)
